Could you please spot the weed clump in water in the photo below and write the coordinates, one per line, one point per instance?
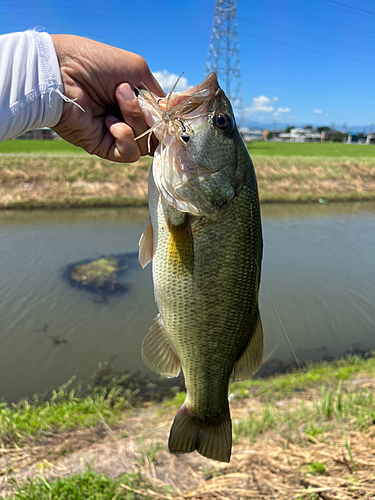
(101, 276)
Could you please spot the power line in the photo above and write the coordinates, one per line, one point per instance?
(345, 7)
(307, 35)
(296, 13)
(307, 50)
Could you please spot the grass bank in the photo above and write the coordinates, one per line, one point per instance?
(311, 149)
(296, 436)
(264, 148)
(64, 181)
(39, 147)
(53, 178)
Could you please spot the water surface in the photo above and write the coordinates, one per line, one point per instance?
(317, 271)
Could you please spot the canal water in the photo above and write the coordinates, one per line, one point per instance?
(318, 288)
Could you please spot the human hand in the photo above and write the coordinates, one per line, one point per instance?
(101, 78)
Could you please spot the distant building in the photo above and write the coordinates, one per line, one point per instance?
(301, 135)
(357, 138)
(251, 134)
(274, 135)
(370, 139)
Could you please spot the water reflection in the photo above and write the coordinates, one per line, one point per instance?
(317, 267)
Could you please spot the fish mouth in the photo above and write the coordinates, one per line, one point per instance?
(189, 100)
(174, 119)
(164, 115)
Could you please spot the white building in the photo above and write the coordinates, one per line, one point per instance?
(301, 135)
(251, 134)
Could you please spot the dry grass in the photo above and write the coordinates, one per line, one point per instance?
(41, 181)
(71, 181)
(337, 464)
(310, 179)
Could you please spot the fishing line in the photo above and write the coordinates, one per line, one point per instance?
(272, 302)
(281, 323)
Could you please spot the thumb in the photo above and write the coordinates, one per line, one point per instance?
(123, 148)
(132, 114)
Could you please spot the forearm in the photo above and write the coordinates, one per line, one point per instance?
(29, 83)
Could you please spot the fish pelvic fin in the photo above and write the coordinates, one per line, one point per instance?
(156, 352)
(146, 245)
(251, 358)
(211, 438)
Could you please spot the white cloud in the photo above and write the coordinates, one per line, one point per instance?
(167, 80)
(262, 104)
(281, 111)
(318, 111)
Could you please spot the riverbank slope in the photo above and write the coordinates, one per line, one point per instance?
(58, 178)
(296, 436)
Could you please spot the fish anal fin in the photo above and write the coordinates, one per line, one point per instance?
(146, 245)
(251, 358)
(157, 354)
(211, 438)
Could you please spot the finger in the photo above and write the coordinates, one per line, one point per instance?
(132, 114)
(150, 82)
(121, 145)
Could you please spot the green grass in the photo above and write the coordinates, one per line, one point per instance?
(311, 418)
(64, 410)
(312, 375)
(316, 468)
(326, 149)
(86, 486)
(315, 374)
(264, 148)
(39, 147)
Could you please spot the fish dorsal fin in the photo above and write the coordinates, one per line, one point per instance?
(146, 245)
(251, 357)
(157, 354)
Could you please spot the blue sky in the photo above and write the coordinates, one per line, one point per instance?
(309, 62)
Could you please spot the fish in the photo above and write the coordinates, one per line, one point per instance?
(204, 238)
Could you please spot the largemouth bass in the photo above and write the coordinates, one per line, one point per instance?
(205, 240)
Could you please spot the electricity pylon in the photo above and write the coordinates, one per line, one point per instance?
(223, 55)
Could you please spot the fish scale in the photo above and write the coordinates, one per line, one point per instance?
(204, 240)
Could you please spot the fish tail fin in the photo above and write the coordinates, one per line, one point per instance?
(211, 438)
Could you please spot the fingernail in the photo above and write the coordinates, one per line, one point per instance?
(126, 92)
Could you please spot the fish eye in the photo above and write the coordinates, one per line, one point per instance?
(222, 121)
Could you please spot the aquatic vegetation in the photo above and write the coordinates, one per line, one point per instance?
(101, 276)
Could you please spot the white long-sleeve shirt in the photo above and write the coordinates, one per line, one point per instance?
(30, 80)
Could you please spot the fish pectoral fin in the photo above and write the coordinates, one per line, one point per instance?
(251, 357)
(157, 354)
(146, 245)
